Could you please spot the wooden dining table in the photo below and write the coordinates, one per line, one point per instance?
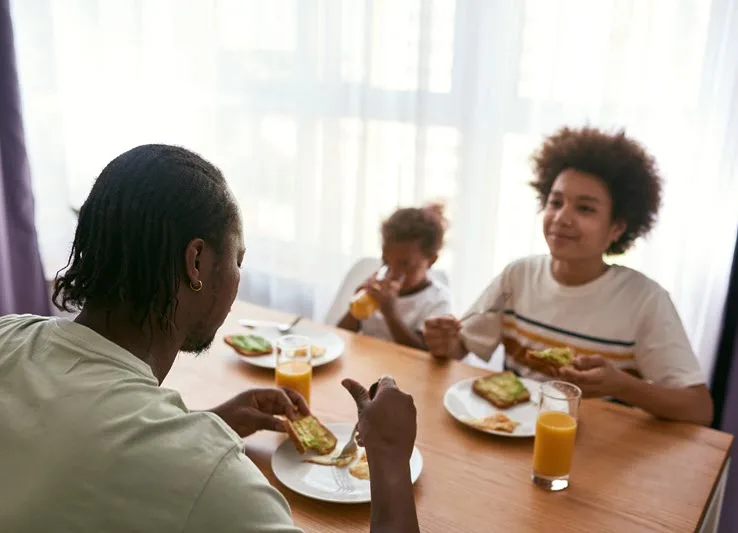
(631, 472)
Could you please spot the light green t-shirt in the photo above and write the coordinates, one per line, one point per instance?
(89, 442)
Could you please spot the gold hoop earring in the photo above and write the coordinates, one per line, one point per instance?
(198, 288)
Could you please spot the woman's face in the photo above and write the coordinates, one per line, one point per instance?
(577, 218)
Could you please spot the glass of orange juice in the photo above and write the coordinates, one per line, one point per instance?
(294, 368)
(363, 306)
(556, 430)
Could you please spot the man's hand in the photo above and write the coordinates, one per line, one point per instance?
(443, 337)
(255, 410)
(387, 428)
(595, 375)
(387, 424)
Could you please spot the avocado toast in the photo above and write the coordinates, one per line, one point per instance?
(501, 389)
(557, 357)
(307, 433)
(249, 345)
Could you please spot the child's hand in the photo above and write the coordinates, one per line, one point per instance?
(385, 292)
(364, 284)
(382, 272)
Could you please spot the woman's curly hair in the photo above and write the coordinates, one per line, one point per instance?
(628, 171)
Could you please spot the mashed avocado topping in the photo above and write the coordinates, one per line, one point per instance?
(251, 343)
(559, 356)
(312, 435)
(507, 387)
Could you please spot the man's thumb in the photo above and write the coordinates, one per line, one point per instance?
(358, 392)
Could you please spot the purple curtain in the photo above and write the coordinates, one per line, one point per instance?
(725, 392)
(729, 518)
(22, 284)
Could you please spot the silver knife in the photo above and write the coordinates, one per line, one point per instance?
(248, 323)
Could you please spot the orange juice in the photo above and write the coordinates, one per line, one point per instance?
(554, 445)
(363, 306)
(296, 375)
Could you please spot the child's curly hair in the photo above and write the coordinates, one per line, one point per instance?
(425, 225)
(625, 167)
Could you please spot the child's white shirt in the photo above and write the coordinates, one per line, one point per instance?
(413, 309)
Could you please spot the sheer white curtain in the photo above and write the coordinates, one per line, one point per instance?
(327, 114)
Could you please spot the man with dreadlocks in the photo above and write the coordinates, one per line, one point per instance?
(90, 441)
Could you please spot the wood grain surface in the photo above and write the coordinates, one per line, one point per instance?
(631, 472)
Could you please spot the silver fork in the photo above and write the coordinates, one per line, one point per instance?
(284, 329)
(349, 451)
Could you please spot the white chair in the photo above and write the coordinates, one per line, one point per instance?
(439, 276)
(361, 270)
(356, 275)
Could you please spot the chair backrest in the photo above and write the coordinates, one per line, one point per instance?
(361, 270)
(439, 276)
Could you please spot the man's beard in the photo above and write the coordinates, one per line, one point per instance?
(197, 344)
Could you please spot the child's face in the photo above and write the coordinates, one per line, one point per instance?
(577, 219)
(406, 259)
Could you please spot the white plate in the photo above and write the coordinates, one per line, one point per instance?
(463, 404)
(327, 483)
(332, 343)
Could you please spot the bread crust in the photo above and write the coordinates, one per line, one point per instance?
(292, 434)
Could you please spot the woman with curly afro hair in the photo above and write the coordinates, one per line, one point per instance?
(599, 192)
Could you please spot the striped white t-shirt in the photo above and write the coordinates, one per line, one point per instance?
(622, 315)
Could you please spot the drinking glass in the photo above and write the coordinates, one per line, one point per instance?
(294, 364)
(556, 430)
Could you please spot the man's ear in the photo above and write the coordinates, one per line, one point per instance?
(432, 260)
(193, 253)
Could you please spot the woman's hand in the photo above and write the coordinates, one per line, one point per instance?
(594, 374)
(597, 376)
(443, 337)
(255, 410)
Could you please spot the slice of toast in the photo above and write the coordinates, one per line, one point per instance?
(557, 357)
(249, 345)
(307, 433)
(501, 389)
